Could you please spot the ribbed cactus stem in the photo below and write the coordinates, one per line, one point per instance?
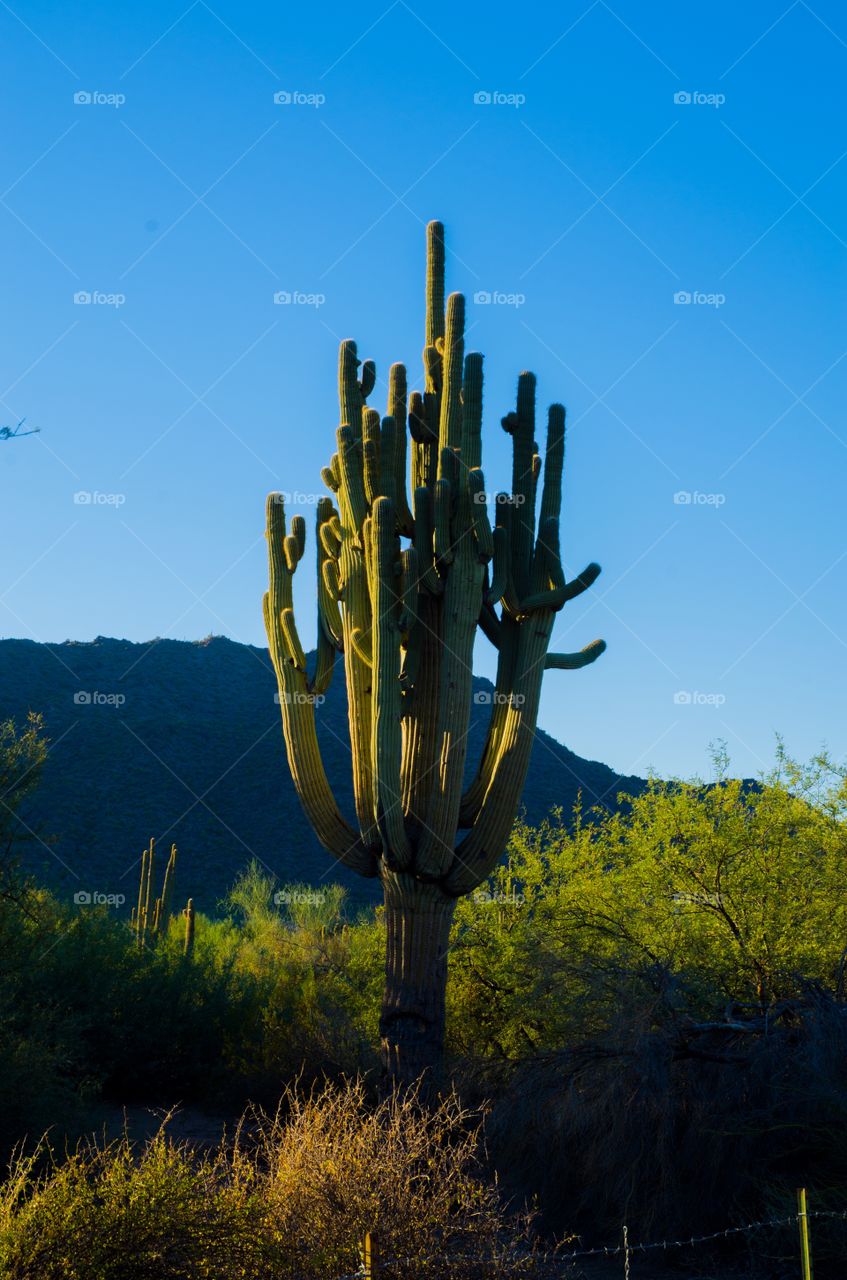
(434, 283)
(142, 895)
(188, 944)
(406, 617)
(149, 895)
(167, 889)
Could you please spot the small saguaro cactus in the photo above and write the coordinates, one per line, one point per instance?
(150, 916)
(188, 942)
(402, 587)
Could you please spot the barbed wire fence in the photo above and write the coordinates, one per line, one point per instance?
(374, 1267)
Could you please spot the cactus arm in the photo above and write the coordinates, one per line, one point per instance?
(483, 535)
(483, 846)
(472, 411)
(349, 391)
(442, 543)
(521, 427)
(397, 410)
(573, 661)
(386, 731)
(507, 635)
(577, 585)
(371, 454)
(362, 646)
(500, 566)
(298, 710)
(490, 625)
(142, 893)
(352, 480)
(434, 283)
(367, 382)
(324, 665)
(425, 540)
(167, 888)
(149, 894)
(461, 605)
(356, 608)
(188, 942)
(328, 545)
(450, 421)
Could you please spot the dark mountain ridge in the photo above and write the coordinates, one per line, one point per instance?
(183, 741)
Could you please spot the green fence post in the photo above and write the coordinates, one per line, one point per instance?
(803, 1222)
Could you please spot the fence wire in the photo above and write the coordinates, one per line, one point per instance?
(626, 1248)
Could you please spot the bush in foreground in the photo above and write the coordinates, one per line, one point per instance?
(292, 1195)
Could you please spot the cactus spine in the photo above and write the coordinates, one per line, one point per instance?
(402, 588)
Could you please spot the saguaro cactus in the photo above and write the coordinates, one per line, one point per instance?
(402, 587)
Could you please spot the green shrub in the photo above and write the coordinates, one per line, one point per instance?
(292, 1197)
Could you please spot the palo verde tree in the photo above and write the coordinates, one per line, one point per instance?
(402, 587)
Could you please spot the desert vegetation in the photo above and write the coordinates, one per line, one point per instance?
(645, 1016)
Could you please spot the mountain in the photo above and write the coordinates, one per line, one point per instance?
(183, 741)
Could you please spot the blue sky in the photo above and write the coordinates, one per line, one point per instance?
(629, 153)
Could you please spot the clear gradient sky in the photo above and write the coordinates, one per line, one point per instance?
(659, 149)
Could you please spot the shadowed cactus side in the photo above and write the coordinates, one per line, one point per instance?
(403, 584)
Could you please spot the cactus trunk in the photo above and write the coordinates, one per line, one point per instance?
(403, 587)
(417, 925)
